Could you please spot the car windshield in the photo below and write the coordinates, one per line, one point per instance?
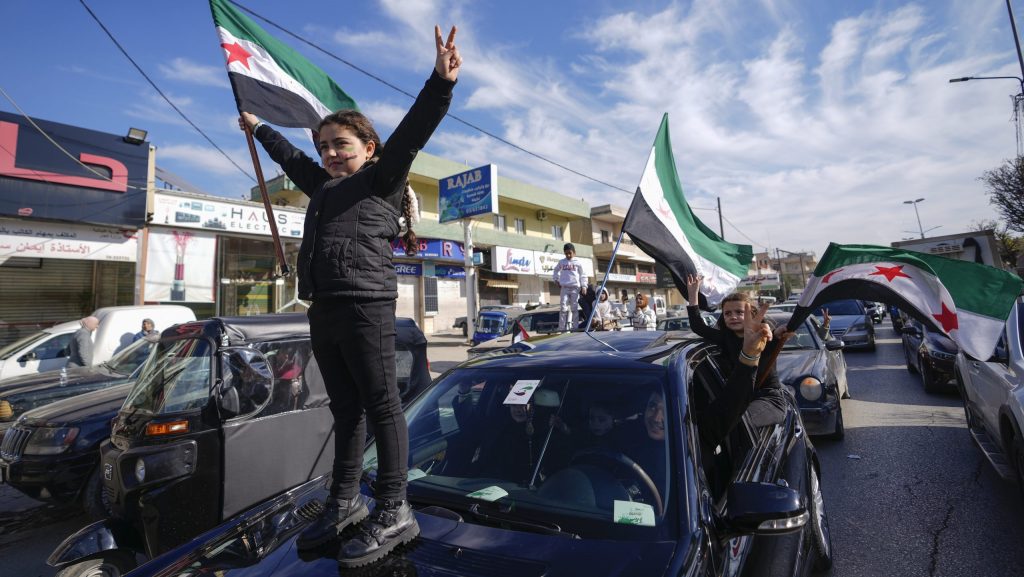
(675, 324)
(552, 448)
(176, 378)
(802, 339)
(6, 352)
(126, 361)
(489, 324)
(843, 307)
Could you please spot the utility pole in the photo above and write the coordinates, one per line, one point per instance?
(721, 227)
(782, 278)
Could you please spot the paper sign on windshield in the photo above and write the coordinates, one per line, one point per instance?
(522, 392)
(492, 493)
(630, 513)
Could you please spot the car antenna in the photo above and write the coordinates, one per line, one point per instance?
(591, 335)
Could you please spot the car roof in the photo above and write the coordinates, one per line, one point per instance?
(612, 349)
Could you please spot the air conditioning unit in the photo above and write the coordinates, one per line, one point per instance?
(542, 214)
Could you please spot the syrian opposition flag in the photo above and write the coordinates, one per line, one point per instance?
(968, 302)
(519, 334)
(661, 223)
(270, 79)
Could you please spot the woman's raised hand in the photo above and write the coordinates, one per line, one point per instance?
(756, 332)
(247, 119)
(448, 59)
(693, 287)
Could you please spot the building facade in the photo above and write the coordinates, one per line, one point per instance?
(633, 271)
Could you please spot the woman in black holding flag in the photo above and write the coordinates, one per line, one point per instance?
(345, 267)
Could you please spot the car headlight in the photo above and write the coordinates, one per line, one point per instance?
(6, 411)
(49, 441)
(811, 389)
(140, 470)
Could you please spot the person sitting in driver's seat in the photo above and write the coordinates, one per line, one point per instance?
(517, 448)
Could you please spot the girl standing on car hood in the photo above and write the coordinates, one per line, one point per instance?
(345, 267)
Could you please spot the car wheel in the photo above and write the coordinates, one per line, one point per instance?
(94, 501)
(927, 379)
(910, 366)
(110, 564)
(840, 430)
(972, 421)
(822, 535)
(871, 343)
(1017, 454)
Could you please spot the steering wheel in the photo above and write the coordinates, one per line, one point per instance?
(618, 458)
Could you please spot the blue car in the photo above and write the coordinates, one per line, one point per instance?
(851, 323)
(491, 324)
(595, 462)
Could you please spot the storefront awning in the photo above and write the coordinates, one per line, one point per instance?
(502, 284)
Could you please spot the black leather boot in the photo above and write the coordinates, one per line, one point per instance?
(391, 524)
(336, 516)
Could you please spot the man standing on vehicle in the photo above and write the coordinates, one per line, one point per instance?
(571, 279)
(80, 352)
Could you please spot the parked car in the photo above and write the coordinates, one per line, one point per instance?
(786, 307)
(491, 324)
(993, 395)
(21, 394)
(850, 323)
(460, 322)
(814, 368)
(643, 506)
(683, 323)
(180, 455)
(930, 354)
(52, 453)
(48, 349)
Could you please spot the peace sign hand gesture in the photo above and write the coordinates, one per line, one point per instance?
(756, 333)
(448, 59)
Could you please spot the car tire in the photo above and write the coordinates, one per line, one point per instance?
(910, 366)
(109, 564)
(871, 343)
(93, 500)
(1017, 459)
(927, 379)
(821, 534)
(972, 421)
(840, 430)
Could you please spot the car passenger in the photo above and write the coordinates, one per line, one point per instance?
(513, 452)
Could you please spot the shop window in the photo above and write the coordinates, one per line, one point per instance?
(430, 295)
(499, 222)
(557, 232)
(626, 268)
(520, 226)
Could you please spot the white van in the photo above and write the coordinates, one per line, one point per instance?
(47, 349)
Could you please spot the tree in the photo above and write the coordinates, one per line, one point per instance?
(1006, 191)
(1010, 247)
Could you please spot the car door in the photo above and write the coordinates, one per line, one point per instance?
(991, 382)
(284, 441)
(47, 355)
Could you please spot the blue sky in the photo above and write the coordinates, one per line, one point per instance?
(811, 120)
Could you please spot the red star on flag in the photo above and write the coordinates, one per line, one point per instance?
(828, 277)
(947, 319)
(890, 272)
(237, 54)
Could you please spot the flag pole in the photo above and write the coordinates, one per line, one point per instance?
(278, 248)
(597, 296)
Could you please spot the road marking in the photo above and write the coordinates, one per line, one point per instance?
(859, 414)
(888, 341)
(873, 367)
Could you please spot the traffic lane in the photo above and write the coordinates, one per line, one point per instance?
(908, 492)
(30, 530)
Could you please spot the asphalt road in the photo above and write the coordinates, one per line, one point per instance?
(908, 492)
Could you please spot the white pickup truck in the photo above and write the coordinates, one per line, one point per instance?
(993, 396)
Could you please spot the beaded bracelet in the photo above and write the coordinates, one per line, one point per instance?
(749, 358)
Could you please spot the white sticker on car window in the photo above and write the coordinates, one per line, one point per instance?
(416, 473)
(630, 513)
(492, 493)
(521, 392)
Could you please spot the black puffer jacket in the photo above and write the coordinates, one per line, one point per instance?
(351, 221)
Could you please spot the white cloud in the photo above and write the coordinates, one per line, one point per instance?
(187, 71)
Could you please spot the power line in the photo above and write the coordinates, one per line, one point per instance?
(161, 93)
(752, 241)
(450, 115)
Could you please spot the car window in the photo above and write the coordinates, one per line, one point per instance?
(489, 324)
(20, 344)
(574, 434)
(288, 362)
(126, 361)
(843, 307)
(176, 378)
(54, 348)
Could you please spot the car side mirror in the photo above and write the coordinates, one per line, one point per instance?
(763, 509)
(912, 331)
(834, 345)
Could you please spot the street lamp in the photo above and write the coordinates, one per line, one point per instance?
(966, 78)
(914, 202)
(1017, 100)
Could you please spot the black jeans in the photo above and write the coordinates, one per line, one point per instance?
(354, 344)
